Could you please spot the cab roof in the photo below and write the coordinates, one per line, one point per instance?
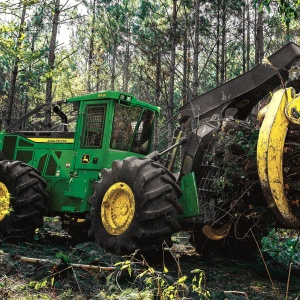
(122, 98)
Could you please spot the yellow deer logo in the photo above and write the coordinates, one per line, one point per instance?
(85, 158)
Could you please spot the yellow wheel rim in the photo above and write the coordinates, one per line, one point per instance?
(4, 201)
(270, 149)
(117, 208)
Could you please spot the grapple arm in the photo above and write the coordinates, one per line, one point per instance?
(244, 92)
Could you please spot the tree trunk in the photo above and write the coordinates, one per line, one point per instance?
(113, 64)
(185, 76)
(157, 79)
(91, 49)
(170, 104)
(218, 44)
(98, 79)
(26, 102)
(259, 41)
(288, 35)
(248, 37)
(15, 70)
(126, 62)
(51, 60)
(157, 95)
(244, 39)
(195, 83)
(223, 45)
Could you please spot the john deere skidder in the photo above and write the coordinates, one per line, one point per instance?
(56, 172)
(232, 170)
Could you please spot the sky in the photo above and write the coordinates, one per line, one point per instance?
(64, 29)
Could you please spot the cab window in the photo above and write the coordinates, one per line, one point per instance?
(93, 127)
(132, 129)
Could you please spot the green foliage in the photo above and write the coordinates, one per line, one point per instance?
(37, 285)
(198, 284)
(166, 289)
(125, 265)
(131, 47)
(287, 9)
(161, 284)
(283, 246)
(233, 151)
(64, 257)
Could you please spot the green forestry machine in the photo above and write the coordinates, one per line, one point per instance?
(231, 172)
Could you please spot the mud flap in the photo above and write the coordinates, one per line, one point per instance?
(189, 197)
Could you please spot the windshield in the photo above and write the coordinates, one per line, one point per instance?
(132, 129)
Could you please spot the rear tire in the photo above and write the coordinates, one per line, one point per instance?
(146, 215)
(26, 196)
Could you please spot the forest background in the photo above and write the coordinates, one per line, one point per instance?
(164, 52)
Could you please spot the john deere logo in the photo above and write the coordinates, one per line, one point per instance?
(85, 158)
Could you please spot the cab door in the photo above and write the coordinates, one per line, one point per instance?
(92, 131)
(92, 135)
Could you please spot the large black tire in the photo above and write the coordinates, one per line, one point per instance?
(27, 199)
(155, 194)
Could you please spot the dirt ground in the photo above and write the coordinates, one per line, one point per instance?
(54, 273)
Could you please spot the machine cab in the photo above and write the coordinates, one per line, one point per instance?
(111, 125)
(115, 122)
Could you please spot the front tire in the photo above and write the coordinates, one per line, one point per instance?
(135, 206)
(22, 199)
